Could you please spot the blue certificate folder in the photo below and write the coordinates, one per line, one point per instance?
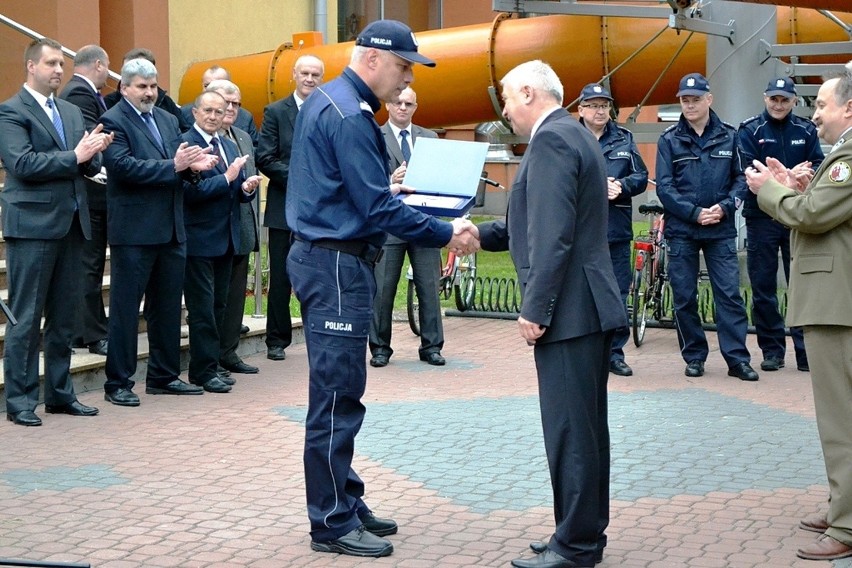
(446, 174)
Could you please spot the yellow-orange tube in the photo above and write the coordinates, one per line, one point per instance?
(581, 50)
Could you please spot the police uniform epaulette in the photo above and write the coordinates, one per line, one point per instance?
(728, 124)
(750, 119)
(672, 127)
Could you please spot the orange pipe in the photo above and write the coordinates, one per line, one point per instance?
(471, 58)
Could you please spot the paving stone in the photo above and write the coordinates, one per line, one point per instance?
(707, 472)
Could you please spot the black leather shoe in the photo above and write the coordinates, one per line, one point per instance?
(538, 547)
(24, 418)
(357, 542)
(743, 372)
(433, 358)
(772, 364)
(216, 384)
(620, 368)
(99, 347)
(276, 353)
(73, 408)
(122, 397)
(241, 367)
(244, 329)
(694, 369)
(177, 386)
(220, 370)
(227, 379)
(547, 559)
(377, 526)
(379, 360)
(803, 367)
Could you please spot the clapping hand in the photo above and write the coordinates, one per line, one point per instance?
(251, 184)
(92, 142)
(758, 174)
(195, 157)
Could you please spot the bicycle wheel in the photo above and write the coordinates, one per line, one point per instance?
(640, 304)
(465, 282)
(413, 309)
(445, 284)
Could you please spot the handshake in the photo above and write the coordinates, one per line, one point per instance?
(465, 239)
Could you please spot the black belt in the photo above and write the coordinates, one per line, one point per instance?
(362, 249)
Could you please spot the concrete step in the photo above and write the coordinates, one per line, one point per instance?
(87, 370)
(4, 279)
(142, 326)
(4, 294)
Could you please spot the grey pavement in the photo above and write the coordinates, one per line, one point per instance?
(708, 472)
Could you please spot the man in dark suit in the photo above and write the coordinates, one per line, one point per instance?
(91, 70)
(164, 101)
(235, 308)
(400, 135)
(556, 231)
(244, 120)
(273, 160)
(46, 151)
(148, 166)
(212, 216)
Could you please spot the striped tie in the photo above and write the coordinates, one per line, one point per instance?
(57, 123)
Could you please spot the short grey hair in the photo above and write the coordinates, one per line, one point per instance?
(843, 92)
(137, 68)
(223, 85)
(358, 53)
(537, 75)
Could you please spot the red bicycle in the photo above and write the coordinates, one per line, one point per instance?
(651, 296)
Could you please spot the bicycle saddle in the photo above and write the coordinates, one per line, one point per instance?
(651, 207)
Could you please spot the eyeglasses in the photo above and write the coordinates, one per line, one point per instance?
(596, 108)
(235, 104)
(403, 104)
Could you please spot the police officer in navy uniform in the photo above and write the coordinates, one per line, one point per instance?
(780, 134)
(339, 206)
(627, 177)
(699, 177)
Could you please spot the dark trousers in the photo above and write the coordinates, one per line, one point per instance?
(229, 340)
(766, 238)
(619, 253)
(92, 321)
(426, 264)
(44, 278)
(572, 383)
(205, 289)
(155, 272)
(720, 256)
(336, 293)
(279, 325)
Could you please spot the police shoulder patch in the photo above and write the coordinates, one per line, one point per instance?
(840, 172)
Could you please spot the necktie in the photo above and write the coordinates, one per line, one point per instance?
(403, 145)
(152, 126)
(101, 100)
(220, 166)
(57, 123)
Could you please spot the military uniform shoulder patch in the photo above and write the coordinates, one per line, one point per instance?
(840, 172)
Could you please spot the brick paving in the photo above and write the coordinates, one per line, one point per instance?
(707, 472)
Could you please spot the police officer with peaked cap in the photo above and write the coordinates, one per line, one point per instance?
(339, 206)
(779, 134)
(627, 177)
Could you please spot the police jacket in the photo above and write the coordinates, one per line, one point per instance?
(338, 182)
(623, 163)
(698, 172)
(792, 140)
